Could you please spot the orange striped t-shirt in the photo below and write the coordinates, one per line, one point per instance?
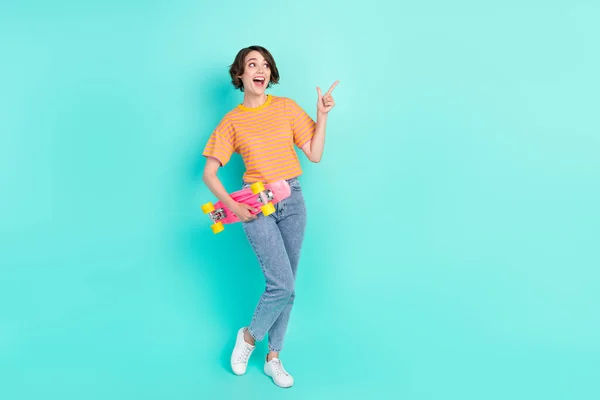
(264, 136)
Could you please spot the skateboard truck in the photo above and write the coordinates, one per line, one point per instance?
(268, 194)
(215, 216)
(264, 196)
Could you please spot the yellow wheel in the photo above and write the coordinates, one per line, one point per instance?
(218, 227)
(208, 207)
(257, 187)
(268, 209)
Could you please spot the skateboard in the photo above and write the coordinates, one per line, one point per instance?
(258, 195)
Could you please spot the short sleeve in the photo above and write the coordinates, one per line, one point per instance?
(220, 144)
(303, 125)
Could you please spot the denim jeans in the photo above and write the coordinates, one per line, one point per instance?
(277, 240)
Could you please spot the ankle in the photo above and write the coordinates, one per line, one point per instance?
(272, 355)
(248, 338)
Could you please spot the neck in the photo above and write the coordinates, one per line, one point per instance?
(254, 100)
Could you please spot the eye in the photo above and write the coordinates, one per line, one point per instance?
(267, 66)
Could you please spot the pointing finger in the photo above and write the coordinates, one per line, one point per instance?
(333, 87)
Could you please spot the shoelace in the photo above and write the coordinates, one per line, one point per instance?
(245, 354)
(279, 370)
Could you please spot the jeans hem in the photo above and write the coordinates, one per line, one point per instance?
(253, 334)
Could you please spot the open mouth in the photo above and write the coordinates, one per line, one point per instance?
(259, 81)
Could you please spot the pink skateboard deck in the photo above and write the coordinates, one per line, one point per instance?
(262, 200)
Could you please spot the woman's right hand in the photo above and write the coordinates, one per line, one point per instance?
(244, 211)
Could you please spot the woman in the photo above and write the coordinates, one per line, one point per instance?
(264, 130)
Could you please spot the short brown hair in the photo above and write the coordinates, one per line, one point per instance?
(237, 68)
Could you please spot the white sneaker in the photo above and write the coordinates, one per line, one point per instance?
(241, 353)
(275, 370)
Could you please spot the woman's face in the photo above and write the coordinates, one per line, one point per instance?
(257, 73)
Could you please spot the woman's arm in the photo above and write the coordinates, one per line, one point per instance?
(314, 148)
(216, 187)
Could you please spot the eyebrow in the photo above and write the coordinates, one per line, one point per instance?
(255, 59)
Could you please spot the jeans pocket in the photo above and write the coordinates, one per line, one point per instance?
(295, 185)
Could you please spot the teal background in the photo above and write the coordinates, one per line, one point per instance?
(452, 247)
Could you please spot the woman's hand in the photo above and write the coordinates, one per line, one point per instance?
(325, 101)
(244, 211)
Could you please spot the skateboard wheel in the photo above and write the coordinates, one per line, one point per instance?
(208, 207)
(257, 187)
(268, 209)
(218, 227)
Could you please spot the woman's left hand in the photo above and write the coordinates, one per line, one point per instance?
(325, 101)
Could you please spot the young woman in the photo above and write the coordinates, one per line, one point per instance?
(264, 130)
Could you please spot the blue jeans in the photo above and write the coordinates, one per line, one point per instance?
(277, 240)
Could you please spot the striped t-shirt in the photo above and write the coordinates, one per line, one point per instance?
(264, 136)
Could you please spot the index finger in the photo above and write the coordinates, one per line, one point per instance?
(333, 87)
